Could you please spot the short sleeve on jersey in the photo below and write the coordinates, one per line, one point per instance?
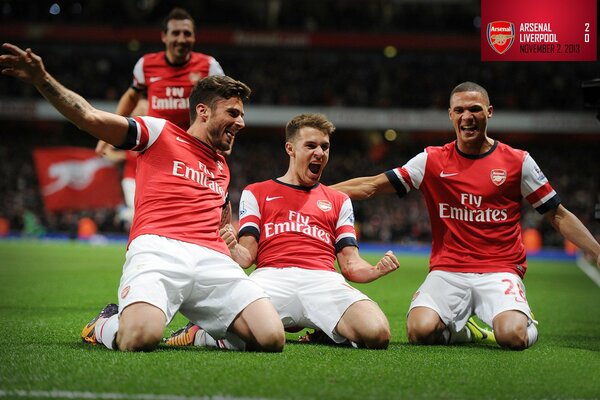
(131, 138)
(249, 230)
(345, 242)
(396, 183)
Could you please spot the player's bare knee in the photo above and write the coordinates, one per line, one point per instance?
(421, 331)
(379, 338)
(272, 342)
(510, 330)
(138, 339)
(514, 339)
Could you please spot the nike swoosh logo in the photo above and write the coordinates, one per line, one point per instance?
(445, 175)
(155, 78)
(273, 198)
(181, 140)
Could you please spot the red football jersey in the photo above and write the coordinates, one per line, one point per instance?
(474, 204)
(181, 185)
(297, 226)
(130, 164)
(169, 86)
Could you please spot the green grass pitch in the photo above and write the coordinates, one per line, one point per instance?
(49, 290)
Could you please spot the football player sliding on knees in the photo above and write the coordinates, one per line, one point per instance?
(173, 166)
(294, 228)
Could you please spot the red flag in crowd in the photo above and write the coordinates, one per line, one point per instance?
(75, 178)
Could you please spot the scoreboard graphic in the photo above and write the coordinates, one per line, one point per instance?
(539, 30)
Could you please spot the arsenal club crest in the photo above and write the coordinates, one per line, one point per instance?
(324, 205)
(498, 176)
(500, 35)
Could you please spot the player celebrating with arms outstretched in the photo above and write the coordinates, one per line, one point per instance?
(473, 188)
(176, 260)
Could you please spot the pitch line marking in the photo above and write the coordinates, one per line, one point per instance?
(67, 394)
(590, 270)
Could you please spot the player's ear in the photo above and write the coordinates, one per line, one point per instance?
(490, 111)
(163, 37)
(289, 148)
(203, 112)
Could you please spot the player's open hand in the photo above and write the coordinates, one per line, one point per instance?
(228, 235)
(22, 64)
(388, 263)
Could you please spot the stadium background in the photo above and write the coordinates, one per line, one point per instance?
(381, 70)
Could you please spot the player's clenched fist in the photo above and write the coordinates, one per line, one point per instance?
(228, 235)
(388, 263)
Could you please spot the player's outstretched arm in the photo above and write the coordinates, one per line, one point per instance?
(28, 67)
(356, 269)
(365, 187)
(572, 229)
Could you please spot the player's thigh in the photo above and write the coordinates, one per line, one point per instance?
(325, 298)
(157, 273)
(363, 318)
(447, 294)
(510, 322)
(281, 285)
(142, 320)
(423, 321)
(221, 290)
(497, 293)
(257, 321)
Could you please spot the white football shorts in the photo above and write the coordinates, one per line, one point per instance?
(128, 186)
(206, 286)
(308, 298)
(126, 213)
(456, 296)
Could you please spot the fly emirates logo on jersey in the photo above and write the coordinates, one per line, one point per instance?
(174, 100)
(201, 175)
(297, 223)
(466, 213)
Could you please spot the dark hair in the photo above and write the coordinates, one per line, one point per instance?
(178, 14)
(317, 121)
(212, 88)
(470, 87)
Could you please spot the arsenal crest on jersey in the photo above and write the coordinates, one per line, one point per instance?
(498, 176)
(500, 35)
(324, 205)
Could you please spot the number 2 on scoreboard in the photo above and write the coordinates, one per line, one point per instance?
(586, 37)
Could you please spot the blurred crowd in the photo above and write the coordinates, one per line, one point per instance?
(322, 77)
(260, 155)
(322, 15)
(344, 74)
